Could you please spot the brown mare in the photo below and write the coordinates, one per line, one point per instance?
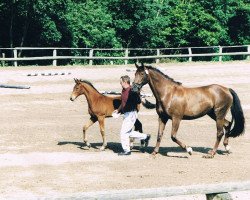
(176, 102)
(99, 107)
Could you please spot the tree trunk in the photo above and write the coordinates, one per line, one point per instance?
(11, 23)
(26, 25)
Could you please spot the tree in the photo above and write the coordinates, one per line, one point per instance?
(90, 25)
(239, 25)
(190, 25)
(124, 23)
(49, 23)
(14, 20)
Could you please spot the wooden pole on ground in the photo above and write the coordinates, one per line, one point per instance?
(14, 86)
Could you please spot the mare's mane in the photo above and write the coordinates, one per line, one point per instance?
(165, 75)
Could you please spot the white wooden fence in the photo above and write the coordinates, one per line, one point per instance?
(217, 51)
(210, 192)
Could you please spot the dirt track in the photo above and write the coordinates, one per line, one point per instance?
(41, 149)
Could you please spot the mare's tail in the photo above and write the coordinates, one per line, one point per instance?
(237, 117)
(147, 104)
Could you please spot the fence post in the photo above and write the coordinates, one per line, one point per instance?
(190, 54)
(220, 51)
(158, 54)
(3, 63)
(15, 56)
(126, 56)
(91, 52)
(54, 56)
(248, 50)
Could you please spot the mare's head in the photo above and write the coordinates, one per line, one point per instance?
(77, 90)
(141, 77)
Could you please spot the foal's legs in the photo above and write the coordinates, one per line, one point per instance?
(85, 127)
(162, 124)
(102, 130)
(175, 126)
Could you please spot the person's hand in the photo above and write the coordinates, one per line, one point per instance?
(115, 114)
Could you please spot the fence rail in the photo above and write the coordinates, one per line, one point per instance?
(211, 191)
(159, 53)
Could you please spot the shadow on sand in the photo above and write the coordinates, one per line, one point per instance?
(175, 152)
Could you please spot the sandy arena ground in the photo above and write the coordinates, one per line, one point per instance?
(41, 149)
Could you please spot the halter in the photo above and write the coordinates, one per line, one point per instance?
(138, 86)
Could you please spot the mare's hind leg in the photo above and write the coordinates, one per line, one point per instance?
(220, 133)
(175, 127)
(102, 130)
(91, 121)
(223, 123)
(219, 116)
(227, 127)
(138, 127)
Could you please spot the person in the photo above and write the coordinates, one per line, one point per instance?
(128, 107)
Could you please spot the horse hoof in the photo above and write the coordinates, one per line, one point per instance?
(189, 150)
(102, 148)
(227, 148)
(88, 145)
(211, 152)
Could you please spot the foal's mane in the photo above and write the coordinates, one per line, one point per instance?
(165, 75)
(87, 82)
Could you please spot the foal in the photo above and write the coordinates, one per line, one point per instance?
(99, 107)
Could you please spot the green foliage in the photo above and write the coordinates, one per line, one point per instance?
(90, 25)
(239, 25)
(124, 23)
(190, 25)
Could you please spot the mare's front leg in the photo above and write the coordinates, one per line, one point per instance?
(91, 121)
(102, 130)
(161, 127)
(175, 126)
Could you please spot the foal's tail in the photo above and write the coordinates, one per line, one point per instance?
(237, 116)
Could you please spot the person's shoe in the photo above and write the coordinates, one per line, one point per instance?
(147, 140)
(124, 153)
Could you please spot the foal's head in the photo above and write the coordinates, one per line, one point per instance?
(83, 87)
(141, 77)
(77, 90)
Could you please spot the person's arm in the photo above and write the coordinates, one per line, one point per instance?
(136, 98)
(118, 110)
